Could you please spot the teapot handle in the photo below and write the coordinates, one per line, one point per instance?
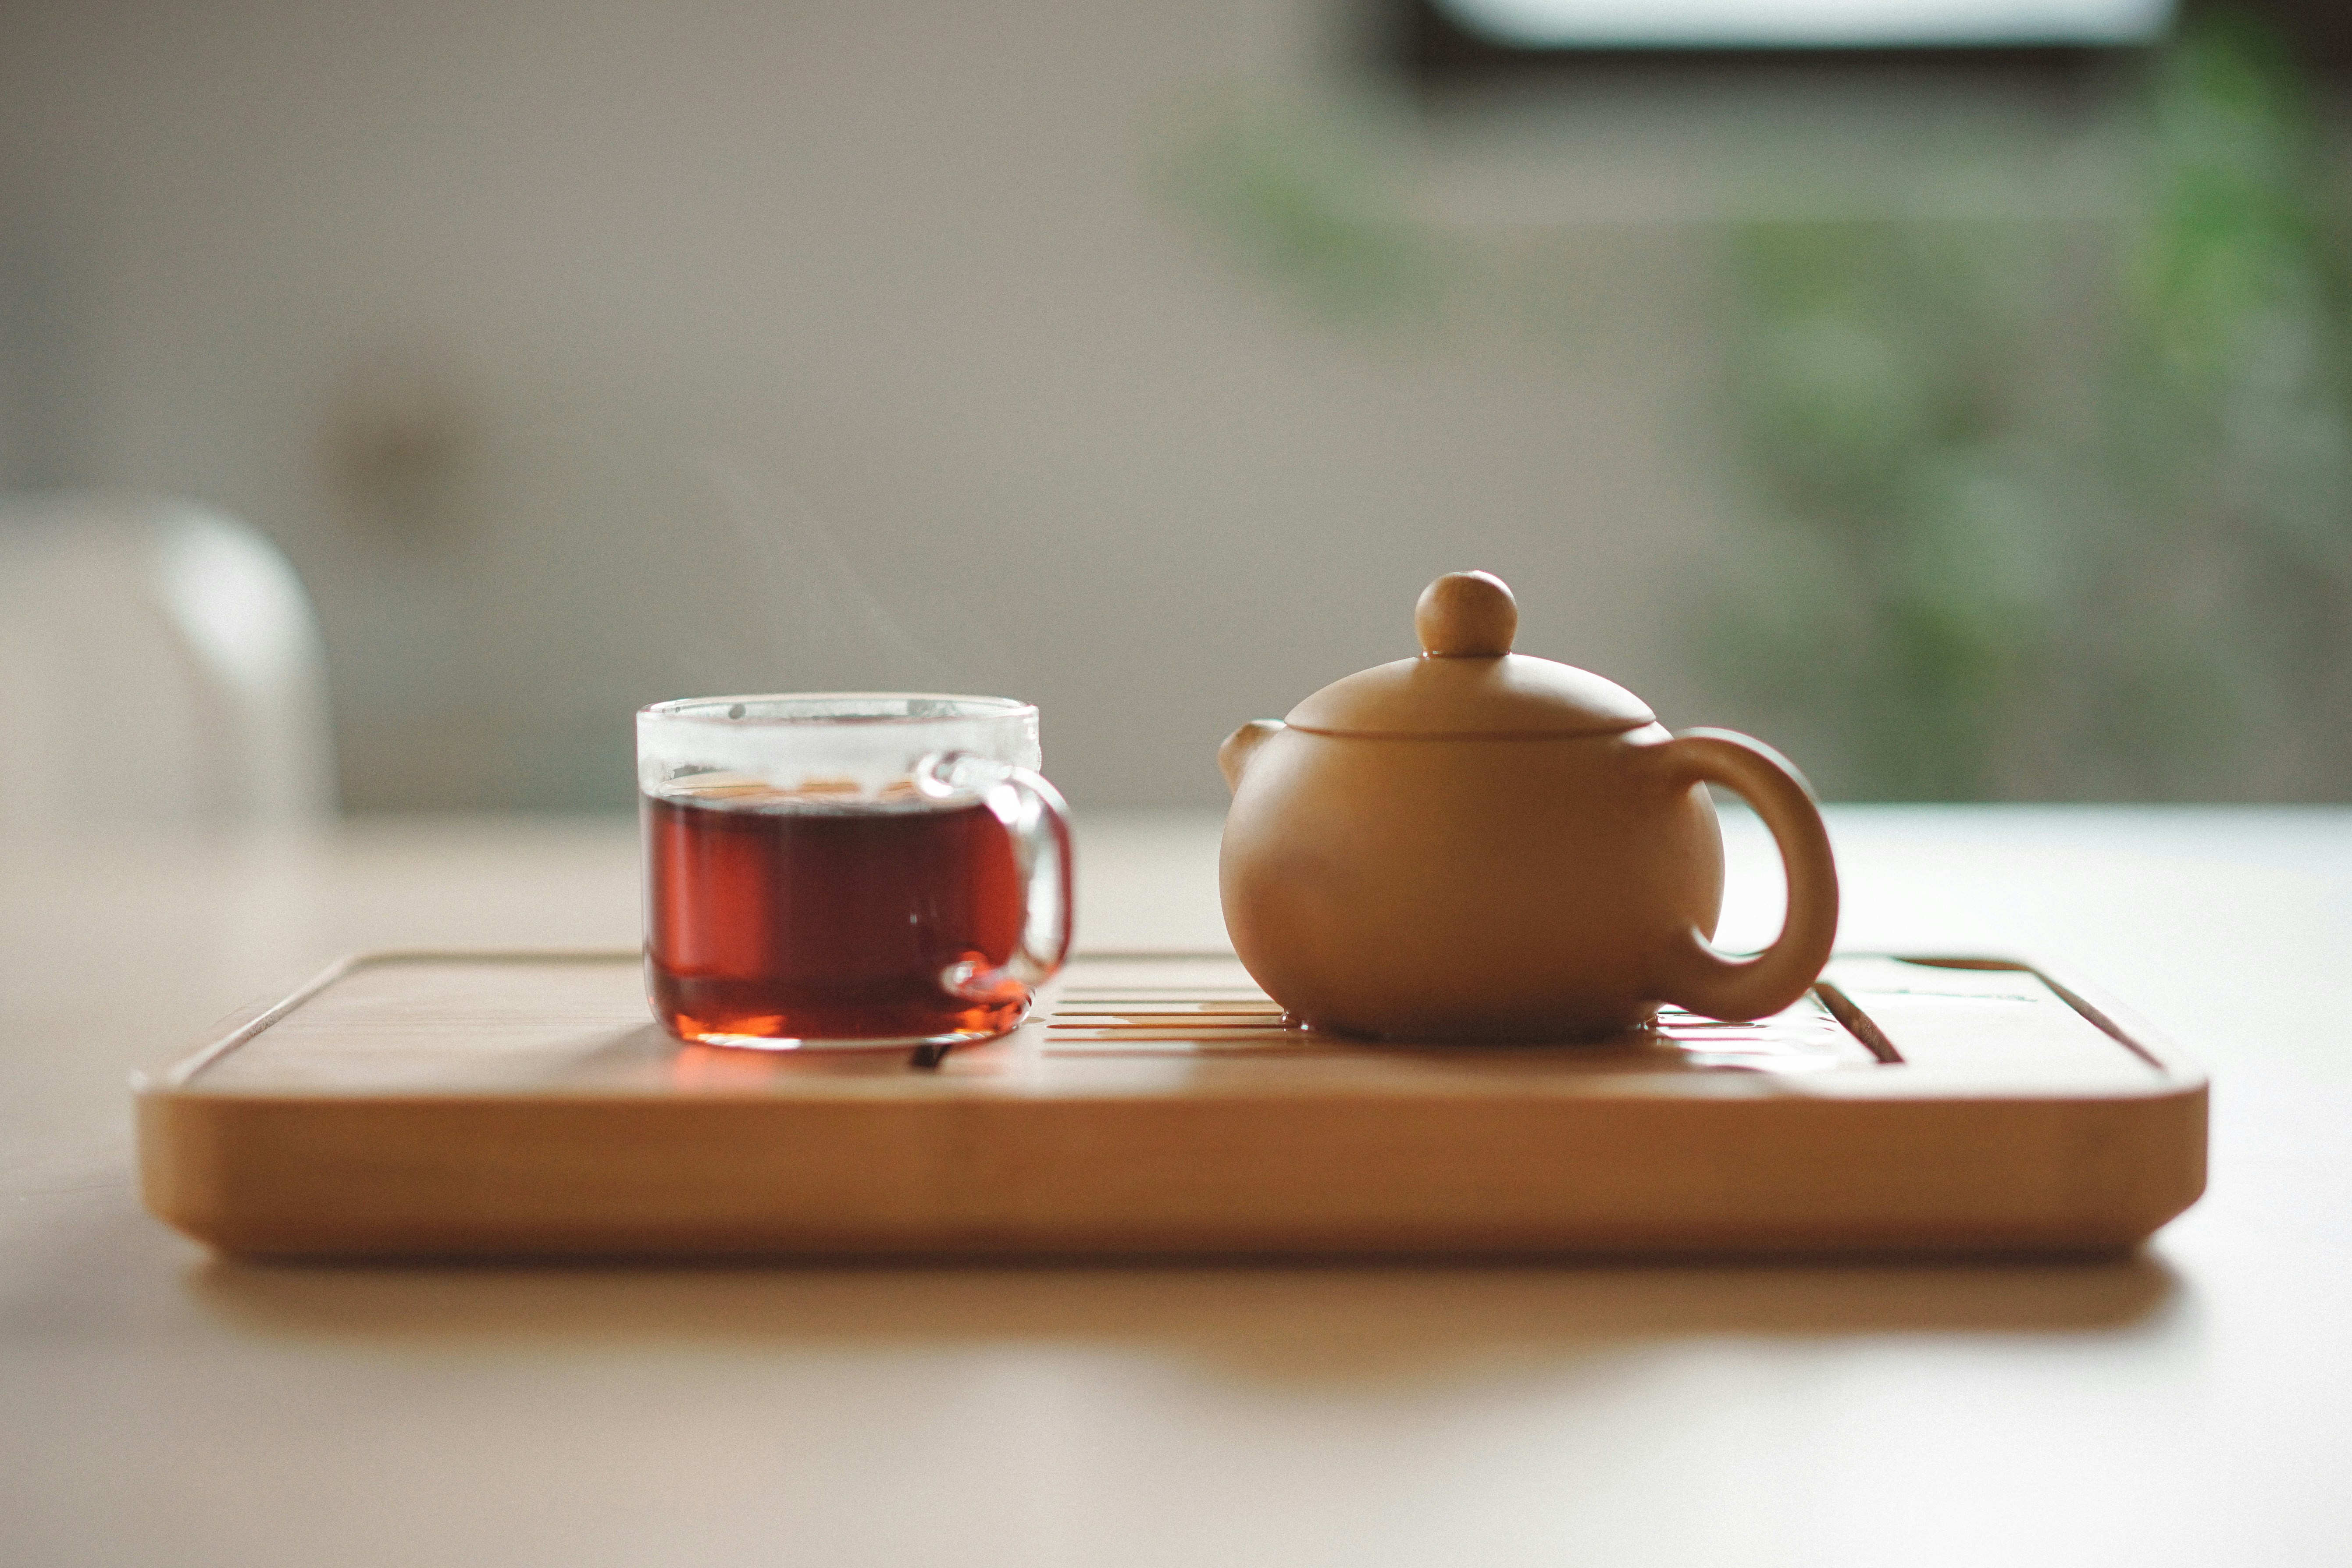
(1699, 977)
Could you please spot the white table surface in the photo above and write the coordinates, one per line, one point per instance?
(2189, 1406)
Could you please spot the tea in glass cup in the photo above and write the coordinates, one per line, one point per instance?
(850, 869)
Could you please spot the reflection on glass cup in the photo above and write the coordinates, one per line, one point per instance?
(848, 870)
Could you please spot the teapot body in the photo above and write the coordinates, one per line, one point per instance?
(1481, 887)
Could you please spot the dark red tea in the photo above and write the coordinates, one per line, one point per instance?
(769, 923)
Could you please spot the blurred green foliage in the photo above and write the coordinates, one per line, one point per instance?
(1307, 197)
(2058, 509)
(1297, 198)
(1910, 441)
(2043, 507)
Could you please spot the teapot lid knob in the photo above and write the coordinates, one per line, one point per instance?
(1466, 615)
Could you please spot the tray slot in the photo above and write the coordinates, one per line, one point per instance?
(1984, 1016)
(1859, 1024)
(1108, 1021)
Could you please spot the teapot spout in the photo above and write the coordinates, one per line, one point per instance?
(1235, 755)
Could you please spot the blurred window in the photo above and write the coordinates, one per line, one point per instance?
(1809, 24)
(1444, 42)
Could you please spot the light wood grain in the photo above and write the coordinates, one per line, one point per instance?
(523, 1105)
(2184, 1405)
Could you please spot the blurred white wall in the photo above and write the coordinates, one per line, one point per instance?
(520, 326)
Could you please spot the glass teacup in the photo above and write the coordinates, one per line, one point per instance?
(848, 870)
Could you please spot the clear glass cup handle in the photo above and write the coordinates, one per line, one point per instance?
(1038, 821)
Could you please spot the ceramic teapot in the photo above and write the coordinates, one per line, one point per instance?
(1476, 845)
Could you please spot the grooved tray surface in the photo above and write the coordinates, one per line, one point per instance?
(444, 1104)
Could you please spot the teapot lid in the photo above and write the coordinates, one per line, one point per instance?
(1468, 682)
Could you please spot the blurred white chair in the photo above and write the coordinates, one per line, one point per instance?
(158, 663)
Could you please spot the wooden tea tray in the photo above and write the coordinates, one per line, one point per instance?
(414, 1105)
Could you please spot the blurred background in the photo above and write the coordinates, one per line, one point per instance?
(1955, 393)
